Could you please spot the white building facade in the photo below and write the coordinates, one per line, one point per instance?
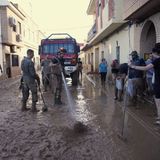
(18, 34)
(120, 27)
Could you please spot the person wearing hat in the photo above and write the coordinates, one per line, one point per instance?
(60, 56)
(57, 68)
(135, 77)
(156, 85)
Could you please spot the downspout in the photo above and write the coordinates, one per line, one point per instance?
(1, 53)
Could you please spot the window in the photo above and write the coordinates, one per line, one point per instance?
(19, 28)
(118, 53)
(15, 60)
(54, 48)
(70, 48)
(14, 28)
(45, 49)
(111, 8)
(99, 8)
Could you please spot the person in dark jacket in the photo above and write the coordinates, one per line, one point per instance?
(30, 79)
(135, 77)
(103, 71)
(57, 68)
(114, 69)
(120, 80)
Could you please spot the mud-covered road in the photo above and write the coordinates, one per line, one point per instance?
(51, 135)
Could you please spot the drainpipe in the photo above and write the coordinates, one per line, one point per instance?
(1, 53)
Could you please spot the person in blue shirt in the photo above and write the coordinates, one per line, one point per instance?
(103, 71)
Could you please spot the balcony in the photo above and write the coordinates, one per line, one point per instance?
(92, 32)
(111, 26)
(140, 9)
(108, 20)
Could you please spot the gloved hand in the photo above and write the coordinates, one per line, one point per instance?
(38, 80)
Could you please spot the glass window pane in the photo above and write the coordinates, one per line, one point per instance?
(70, 48)
(45, 49)
(61, 46)
(66, 47)
(56, 47)
(15, 60)
(51, 49)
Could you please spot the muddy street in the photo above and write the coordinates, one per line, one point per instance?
(51, 135)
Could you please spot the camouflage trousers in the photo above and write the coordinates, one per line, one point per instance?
(25, 91)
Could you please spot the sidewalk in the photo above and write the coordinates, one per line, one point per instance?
(146, 113)
(136, 126)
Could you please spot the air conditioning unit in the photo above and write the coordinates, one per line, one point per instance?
(19, 38)
(13, 49)
(12, 21)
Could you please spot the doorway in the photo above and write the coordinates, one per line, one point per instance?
(91, 62)
(148, 38)
(8, 65)
(96, 59)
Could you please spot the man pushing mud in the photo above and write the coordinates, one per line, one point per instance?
(30, 80)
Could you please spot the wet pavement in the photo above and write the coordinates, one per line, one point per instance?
(51, 135)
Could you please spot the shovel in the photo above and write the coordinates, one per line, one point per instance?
(44, 109)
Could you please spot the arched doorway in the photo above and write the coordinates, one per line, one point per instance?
(148, 39)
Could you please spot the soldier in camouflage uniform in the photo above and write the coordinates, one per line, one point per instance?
(29, 81)
(45, 72)
(57, 69)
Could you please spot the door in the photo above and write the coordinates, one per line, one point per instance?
(8, 65)
(118, 53)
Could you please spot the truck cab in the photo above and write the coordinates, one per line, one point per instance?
(50, 47)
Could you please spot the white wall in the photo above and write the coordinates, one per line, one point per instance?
(122, 37)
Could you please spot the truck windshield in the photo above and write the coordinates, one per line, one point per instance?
(53, 48)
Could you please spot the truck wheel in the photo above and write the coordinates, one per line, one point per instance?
(74, 78)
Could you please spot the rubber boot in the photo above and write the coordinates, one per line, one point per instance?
(24, 107)
(34, 109)
(44, 109)
(57, 97)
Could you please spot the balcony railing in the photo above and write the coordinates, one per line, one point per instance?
(92, 32)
